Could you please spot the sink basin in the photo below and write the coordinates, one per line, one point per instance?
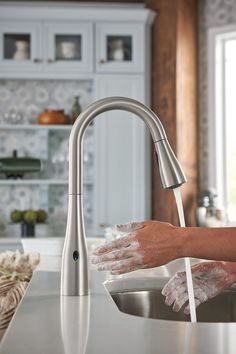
(140, 295)
(150, 303)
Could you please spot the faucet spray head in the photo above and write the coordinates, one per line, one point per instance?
(171, 173)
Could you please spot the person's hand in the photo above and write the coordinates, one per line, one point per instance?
(209, 280)
(148, 244)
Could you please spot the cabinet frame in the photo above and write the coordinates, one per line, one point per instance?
(63, 28)
(135, 31)
(34, 64)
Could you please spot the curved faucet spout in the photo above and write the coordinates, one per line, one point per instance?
(170, 170)
(74, 278)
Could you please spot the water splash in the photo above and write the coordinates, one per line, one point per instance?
(179, 204)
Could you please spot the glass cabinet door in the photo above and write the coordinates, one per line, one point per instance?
(119, 48)
(68, 47)
(20, 46)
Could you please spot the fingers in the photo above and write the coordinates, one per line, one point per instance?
(170, 298)
(200, 295)
(177, 280)
(175, 291)
(177, 295)
(122, 266)
(206, 279)
(131, 226)
(187, 308)
(120, 256)
(119, 243)
(180, 301)
(122, 253)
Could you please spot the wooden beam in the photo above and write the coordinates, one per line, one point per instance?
(174, 98)
(186, 103)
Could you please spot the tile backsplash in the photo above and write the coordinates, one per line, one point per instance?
(30, 97)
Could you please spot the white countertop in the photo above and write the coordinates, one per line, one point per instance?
(47, 323)
(7, 240)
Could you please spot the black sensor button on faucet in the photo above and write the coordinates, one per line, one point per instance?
(75, 255)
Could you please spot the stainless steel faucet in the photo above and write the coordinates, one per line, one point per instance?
(74, 271)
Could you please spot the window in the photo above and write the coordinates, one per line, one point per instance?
(222, 116)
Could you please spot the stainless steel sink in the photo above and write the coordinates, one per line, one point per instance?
(150, 303)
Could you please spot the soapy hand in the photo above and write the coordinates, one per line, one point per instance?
(148, 244)
(209, 280)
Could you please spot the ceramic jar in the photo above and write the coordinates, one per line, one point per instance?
(22, 50)
(117, 50)
(69, 50)
(53, 117)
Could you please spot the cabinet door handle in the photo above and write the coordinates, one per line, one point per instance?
(37, 61)
(102, 61)
(51, 61)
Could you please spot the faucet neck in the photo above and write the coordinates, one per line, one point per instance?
(107, 104)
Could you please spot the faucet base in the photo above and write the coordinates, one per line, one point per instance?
(74, 269)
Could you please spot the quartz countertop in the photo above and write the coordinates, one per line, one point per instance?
(47, 323)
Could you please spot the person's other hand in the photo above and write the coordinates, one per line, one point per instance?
(148, 244)
(209, 280)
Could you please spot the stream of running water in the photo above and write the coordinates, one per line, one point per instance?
(179, 204)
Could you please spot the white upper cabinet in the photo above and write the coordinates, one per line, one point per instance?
(29, 48)
(119, 47)
(73, 41)
(68, 47)
(20, 47)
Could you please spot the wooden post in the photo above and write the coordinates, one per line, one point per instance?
(174, 99)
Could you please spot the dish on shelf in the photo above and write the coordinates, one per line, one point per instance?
(16, 167)
(53, 117)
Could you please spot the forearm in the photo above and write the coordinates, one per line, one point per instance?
(210, 243)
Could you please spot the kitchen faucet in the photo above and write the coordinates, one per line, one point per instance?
(74, 271)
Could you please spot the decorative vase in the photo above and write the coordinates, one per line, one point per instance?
(76, 109)
(27, 229)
